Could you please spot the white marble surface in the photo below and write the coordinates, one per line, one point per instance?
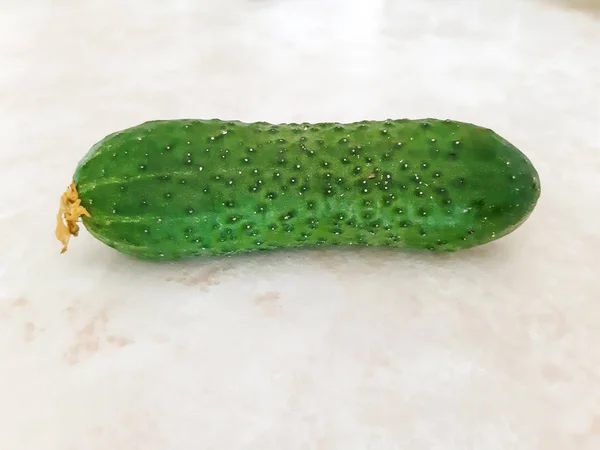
(494, 348)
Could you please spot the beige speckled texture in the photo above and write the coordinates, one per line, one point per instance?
(493, 348)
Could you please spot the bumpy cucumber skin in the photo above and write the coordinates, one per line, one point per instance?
(168, 189)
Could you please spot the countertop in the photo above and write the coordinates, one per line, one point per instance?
(489, 348)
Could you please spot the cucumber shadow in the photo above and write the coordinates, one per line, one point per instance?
(491, 255)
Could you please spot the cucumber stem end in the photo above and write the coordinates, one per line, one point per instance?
(69, 212)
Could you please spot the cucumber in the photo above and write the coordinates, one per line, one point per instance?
(168, 189)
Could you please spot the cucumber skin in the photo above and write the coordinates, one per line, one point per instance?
(168, 189)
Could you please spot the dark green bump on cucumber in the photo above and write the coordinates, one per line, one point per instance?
(169, 189)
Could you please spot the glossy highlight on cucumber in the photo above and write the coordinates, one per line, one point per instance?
(169, 189)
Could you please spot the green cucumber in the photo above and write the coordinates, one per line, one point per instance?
(168, 189)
